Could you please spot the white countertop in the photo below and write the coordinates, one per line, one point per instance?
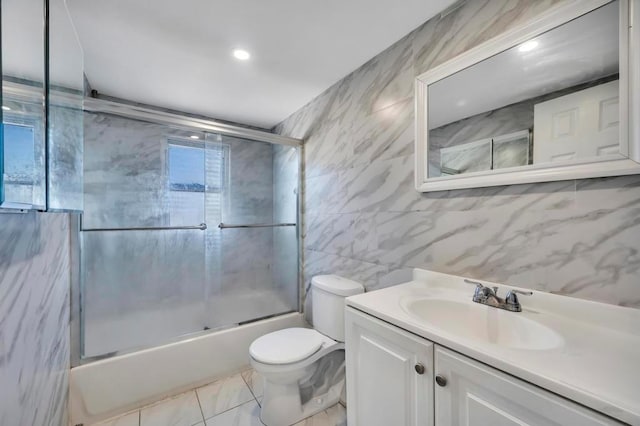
(598, 365)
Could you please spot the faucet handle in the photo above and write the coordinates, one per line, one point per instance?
(522, 292)
(478, 284)
(512, 299)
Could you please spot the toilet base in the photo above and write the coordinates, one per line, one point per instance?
(284, 407)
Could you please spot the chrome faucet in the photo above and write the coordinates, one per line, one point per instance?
(489, 296)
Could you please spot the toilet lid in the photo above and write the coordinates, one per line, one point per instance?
(286, 346)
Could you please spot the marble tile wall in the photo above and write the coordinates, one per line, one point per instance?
(34, 319)
(363, 218)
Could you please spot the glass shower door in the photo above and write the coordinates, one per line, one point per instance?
(152, 271)
(256, 241)
(143, 237)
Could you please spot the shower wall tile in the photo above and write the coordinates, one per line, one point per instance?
(34, 319)
(363, 218)
(385, 134)
(346, 235)
(319, 263)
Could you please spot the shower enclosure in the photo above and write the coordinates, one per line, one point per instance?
(187, 227)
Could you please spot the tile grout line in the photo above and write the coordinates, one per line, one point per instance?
(250, 389)
(230, 408)
(200, 406)
(195, 390)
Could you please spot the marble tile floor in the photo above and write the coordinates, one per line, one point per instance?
(232, 401)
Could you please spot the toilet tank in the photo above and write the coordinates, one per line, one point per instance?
(327, 303)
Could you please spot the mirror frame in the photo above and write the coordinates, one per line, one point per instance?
(588, 168)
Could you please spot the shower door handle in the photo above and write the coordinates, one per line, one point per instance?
(202, 227)
(255, 225)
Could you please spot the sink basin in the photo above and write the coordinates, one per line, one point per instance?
(483, 323)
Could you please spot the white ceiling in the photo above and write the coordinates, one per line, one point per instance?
(582, 50)
(177, 54)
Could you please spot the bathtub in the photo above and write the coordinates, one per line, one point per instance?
(106, 388)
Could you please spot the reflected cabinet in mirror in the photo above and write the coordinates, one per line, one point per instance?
(555, 99)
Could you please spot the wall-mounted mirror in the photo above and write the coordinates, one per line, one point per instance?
(547, 101)
(42, 99)
(23, 86)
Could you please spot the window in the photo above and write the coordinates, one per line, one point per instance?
(197, 179)
(19, 162)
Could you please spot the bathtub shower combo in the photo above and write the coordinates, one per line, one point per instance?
(188, 228)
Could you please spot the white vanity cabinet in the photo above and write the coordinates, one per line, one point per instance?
(389, 374)
(385, 388)
(475, 394)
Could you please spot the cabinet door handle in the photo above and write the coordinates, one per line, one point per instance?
(419, 368)
(441, 380)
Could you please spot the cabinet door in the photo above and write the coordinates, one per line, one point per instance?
(383, 386)
(478, 395)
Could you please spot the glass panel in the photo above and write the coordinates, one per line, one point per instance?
(249, 287)
(141, 288)
(216, 200)
(512, 150)
(1, 145)
(65, 127)
(23, 103)
(464, 158)
(258, 271)
(149, 287)
(286, 169)
(562, 86)
(127, 174)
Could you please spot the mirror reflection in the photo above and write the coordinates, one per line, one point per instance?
(65, 120)
(551, 99)
(23, 102)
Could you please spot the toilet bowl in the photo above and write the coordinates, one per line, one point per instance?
(303, 368)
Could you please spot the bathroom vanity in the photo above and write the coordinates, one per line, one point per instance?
(423, 353)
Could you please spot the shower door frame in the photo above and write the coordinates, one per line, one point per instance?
(182, 122)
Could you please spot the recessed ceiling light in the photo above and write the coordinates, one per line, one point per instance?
(528, 45)
(194, 137)
(6, 108)
(243, 55)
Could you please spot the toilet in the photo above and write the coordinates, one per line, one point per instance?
(303, 368)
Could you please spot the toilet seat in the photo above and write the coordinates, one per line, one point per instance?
(327, 345)
(286, 346)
